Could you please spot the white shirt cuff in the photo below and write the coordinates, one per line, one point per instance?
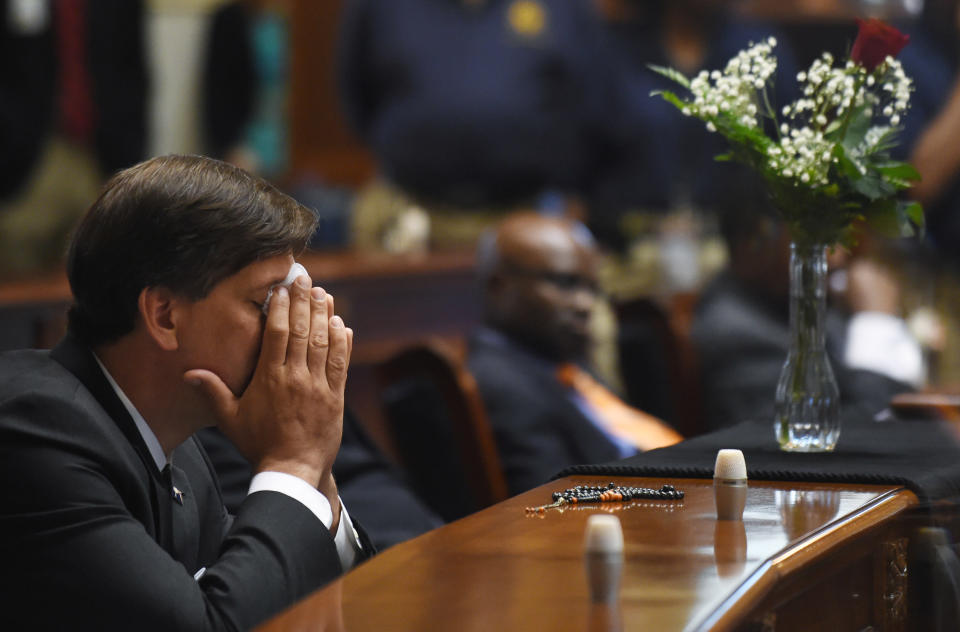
(346, 539)
(882, 343)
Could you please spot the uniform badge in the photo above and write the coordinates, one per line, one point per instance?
(527, 17)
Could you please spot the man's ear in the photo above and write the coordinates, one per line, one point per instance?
(157, 306)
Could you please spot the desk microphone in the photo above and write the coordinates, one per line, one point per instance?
(603, 556)
(730, 484)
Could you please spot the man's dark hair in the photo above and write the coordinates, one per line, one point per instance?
(180, 222)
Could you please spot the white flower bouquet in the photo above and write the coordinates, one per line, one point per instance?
(826, 156)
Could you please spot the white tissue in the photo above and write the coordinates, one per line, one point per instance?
(296, 270)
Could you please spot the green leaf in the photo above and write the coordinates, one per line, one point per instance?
(856, 128)
(914, 212)
(896, 218)
(847, 166)
(898, 170)
(832, 127)
(887, 219)
(671, 74)
(873, 187)
(723, 157)
(669, 97)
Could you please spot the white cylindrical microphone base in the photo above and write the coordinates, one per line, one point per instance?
(730, 484)
(603, 557)
(731, 498)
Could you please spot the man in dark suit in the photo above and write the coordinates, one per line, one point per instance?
(741, 334)
(110, 511)
(540, 286)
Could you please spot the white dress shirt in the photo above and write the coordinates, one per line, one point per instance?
(882, 343)
(346, 539)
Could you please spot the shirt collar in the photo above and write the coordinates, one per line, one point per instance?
(153, 444)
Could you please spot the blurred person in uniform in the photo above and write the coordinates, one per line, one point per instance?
(72, 111)
(473, 109)
(663, 163)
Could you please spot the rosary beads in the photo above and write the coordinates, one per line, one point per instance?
(605, 494)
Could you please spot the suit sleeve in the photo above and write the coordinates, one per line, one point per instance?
(72, 539)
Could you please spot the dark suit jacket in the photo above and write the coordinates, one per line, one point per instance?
(29, 91)
(538, 429)
(92, 537)
(741, 341)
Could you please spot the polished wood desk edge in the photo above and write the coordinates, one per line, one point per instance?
(891, 500)
(732, 611)
(729, 611)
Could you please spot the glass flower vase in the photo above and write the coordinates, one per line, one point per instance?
(807, 406)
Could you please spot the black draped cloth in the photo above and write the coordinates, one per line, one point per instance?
(923, 456)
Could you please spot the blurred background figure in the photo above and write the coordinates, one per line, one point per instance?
(472, 109)
(222, 73)
(73, 92)
(245, 79)
(530, 359)
(740, 328)
(664, 163)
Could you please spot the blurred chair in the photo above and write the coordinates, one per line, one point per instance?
(657, 361)
(440, 430)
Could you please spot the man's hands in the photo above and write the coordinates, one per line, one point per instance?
(290, 417)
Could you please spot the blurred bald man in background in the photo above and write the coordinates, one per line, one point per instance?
(547, 410)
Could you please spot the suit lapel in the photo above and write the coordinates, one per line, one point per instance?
(176, 523)
(184, 520)
(585, 442)
(79, 360)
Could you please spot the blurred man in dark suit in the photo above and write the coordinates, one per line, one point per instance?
(740, 328)
(530, 359)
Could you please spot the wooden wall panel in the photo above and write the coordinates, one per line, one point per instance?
(321, 142)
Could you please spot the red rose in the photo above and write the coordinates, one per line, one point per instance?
(875, 41)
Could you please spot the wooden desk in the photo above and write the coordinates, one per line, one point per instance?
(838, 546)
